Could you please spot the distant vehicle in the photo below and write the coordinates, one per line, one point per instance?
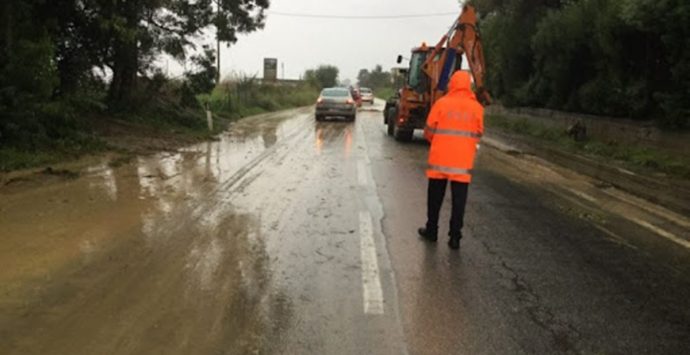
(336, 102)
(367, 95)
(356, 96)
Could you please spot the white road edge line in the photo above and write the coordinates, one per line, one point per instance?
(661, 232)
(668, 235)
(581, 195)
(371, 280)
(653, 209)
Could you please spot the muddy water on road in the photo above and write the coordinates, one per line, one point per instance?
(151, 257)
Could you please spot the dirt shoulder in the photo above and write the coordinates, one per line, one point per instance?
(121, 140)
(650, 183)
(124, 141)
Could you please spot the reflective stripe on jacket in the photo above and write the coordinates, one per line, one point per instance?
(454, 127)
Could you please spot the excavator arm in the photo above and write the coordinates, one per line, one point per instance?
(430, 71)
(462, 38)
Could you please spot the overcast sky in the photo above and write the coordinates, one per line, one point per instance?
(303, 43)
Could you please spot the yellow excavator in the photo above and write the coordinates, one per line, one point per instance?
(429, 72)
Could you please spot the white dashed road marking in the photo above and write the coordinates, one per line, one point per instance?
(371, 281)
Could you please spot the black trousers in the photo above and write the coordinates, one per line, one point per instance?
(436, 193)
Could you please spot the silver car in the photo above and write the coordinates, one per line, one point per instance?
(336, 102)
(367, 95)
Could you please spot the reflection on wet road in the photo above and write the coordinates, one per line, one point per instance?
(244, 245)
(134, 260)
(292, 236)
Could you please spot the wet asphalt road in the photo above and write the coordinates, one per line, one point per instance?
(290, 236)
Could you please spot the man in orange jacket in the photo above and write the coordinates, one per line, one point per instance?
(454, 127)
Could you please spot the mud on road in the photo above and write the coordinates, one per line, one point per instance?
(133, 259)
(212, 249)
(293, 236)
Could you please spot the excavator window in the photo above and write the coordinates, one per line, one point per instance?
(416, 78)
(458, 62)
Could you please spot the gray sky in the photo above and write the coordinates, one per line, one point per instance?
(303, 43)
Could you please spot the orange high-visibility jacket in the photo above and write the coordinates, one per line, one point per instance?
(454, 127)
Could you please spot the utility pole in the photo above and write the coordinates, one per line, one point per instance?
(217, 60)
(282, 66)
(217, 45)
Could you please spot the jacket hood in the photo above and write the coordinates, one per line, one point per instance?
(460, 81)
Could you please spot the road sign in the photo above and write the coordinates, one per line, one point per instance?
(270, 69)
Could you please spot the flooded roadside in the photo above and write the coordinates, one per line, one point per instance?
(124, 256)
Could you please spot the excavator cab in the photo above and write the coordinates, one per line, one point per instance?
(414, 76)
(416, 79)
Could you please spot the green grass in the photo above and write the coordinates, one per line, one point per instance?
(61, 131)
(12, 158)
(633, 157)
(384, 93)
(45, 133)
(246, 96)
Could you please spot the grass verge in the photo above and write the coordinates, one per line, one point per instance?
(384, 93)
(637, 158)
(58, 132)
(246, 96)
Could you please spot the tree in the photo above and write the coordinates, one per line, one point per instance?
(659, 38)
(322, 77)
(27, 69)
(141, 29)
(379, 78)
(201, 79)
(507, 27)
(124, 36)
(363, 78)
(375, 79)
(626, 58)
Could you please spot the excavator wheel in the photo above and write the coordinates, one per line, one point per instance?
(403, 135)
(390, 120)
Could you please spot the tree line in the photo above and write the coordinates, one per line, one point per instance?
(325, 76)
(624, 58)
(376, 78)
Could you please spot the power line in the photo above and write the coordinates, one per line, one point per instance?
(346, 17)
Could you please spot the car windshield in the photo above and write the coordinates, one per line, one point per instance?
(334, 93)
(365, 91)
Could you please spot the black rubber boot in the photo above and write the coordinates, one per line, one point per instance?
(428, 234)
(454, 241)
